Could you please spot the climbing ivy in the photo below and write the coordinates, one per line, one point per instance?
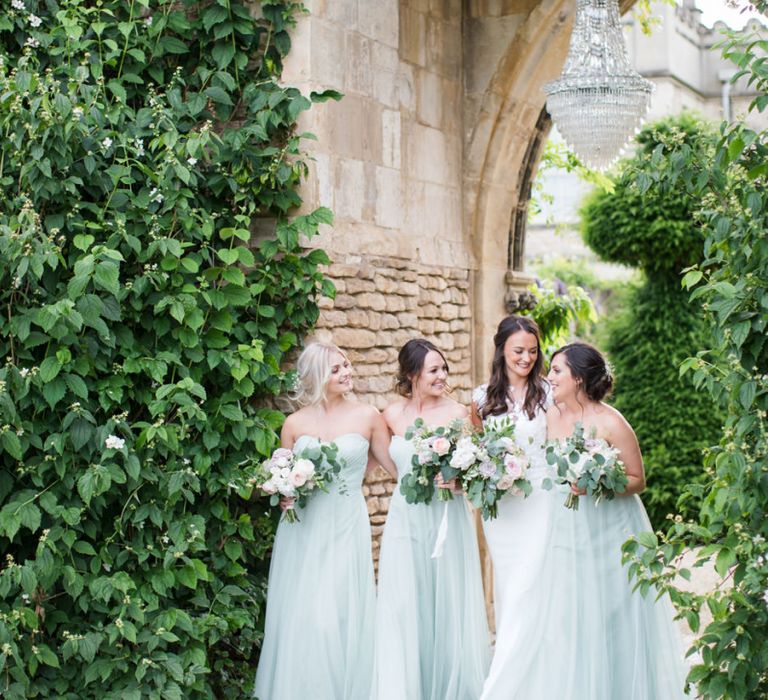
(151, 283)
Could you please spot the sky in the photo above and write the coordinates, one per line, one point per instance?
(713, 10)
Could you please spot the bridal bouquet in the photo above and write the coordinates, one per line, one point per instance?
(490, 465)
(297, 475)
(432, 456)
(590, 464)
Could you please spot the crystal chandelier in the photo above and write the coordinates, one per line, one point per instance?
(599, 100)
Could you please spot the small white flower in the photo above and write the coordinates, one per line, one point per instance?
(765, 597)
(77, 112)
(114, 443)
(139, 147)
(24, 371)
(34, 20)
(155, 195)
(192, 161)
(32, 42)
(148, 21)
(17, 4)
(107, 143)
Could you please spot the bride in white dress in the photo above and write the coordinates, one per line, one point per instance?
(536, 625)
(517, 390)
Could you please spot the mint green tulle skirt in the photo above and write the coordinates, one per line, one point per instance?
(432, 639)
(318, 637)
(571, 628)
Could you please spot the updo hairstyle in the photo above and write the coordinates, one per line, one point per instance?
(589, 368)
(410, 362)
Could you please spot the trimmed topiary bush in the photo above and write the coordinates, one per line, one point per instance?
(140, 332)
(655, 231)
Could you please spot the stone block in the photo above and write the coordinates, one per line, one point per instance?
(346, 129)
(407, 319)
(386, 285)
(366, 370)
(391, 136)
(442, 326)
(359, 74)
(394, 303)
(328, 48)
(389, 322)
(428, 311)
(386, 74)
(378, 355)
(356, 338)
(341, 12)
(357, 318)
(429, 97)
(428, 158)
(370, 300)
(331, 318)
(355, 285)
(461, 340)
(344, 301)
(448, 312)
(339, 270)
(350, 193)
(325, 303)
(381, 383)
(380, 21)
(389, 204)
(413, 33)
(373, 505)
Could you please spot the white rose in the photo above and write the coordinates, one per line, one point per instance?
(305, 467)
(269, 487)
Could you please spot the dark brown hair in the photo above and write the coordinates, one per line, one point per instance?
(410, 362)
(497, 393)
(589, 368)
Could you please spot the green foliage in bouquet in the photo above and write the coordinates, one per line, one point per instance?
(655, 230)
(418, 486)
(143, 144)
(731, 282)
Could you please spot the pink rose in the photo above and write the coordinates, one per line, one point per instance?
(441, 446)
(298, 479)
(514, 466)
(505, 482)
(269, 487)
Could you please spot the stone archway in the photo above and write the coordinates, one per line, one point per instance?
(507, 126)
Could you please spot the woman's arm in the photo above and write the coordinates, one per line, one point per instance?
(623, 438)
(380, 438)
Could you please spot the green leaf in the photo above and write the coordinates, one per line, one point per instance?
(229, 257)
(11, 444)
(49, 368)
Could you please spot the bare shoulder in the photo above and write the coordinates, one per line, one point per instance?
(292, 427)
(456, 409)
(612, 422)
(394, 409)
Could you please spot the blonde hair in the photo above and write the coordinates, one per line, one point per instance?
(313, 372)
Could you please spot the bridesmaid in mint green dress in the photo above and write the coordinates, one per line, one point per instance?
(432, 639)
(318, 637)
